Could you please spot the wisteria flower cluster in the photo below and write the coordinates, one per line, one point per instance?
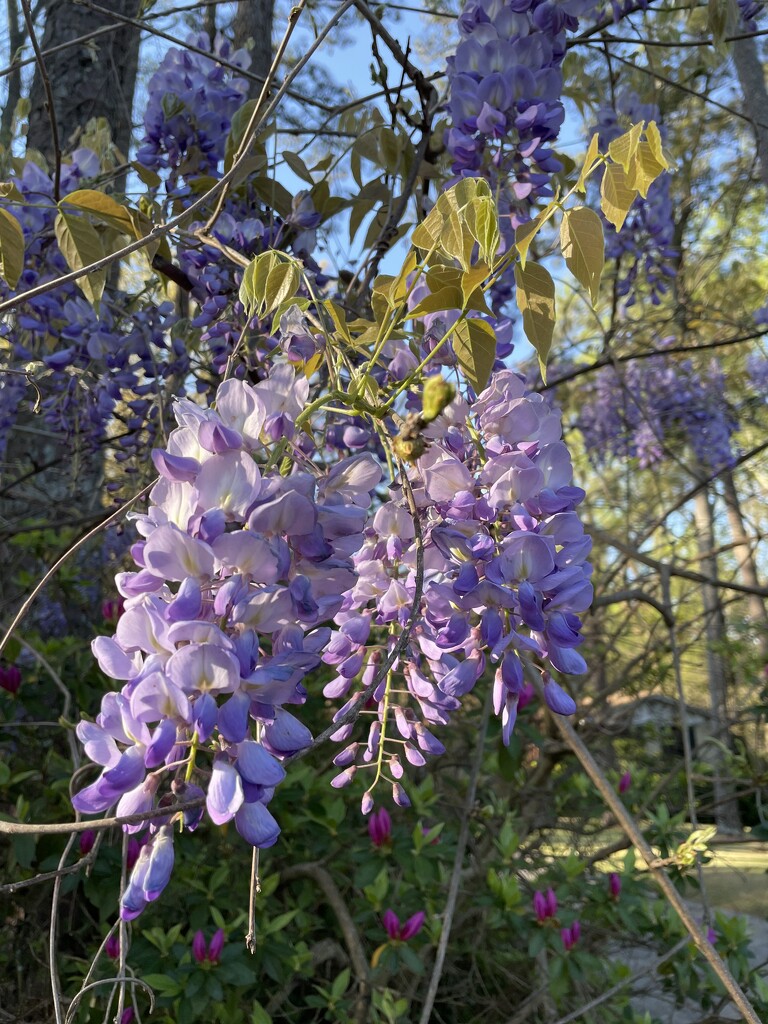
(505, 102)
(652, 405)
(238, 569)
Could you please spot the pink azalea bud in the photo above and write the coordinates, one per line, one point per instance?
(551, 901)
(112, 948)
(216, 946)
(625, 782)
(570, 936)
(10, 678)
(87, 839)
(540, 906)
(412, 926)
(199, 951)
(132, 854)
(111, 610)
(614, 885)
(391, 923)
(380, 827)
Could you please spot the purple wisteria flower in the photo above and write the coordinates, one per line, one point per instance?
(237, 570)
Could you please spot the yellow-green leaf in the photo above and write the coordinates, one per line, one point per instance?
(282, 284)
(253, 287)
(339, 318)
(80, 245)
(653, 138)
(591, 158)
(483, 224)
(298, 166)
(474, 343)
(102, 207)
(581, 239)
(536, 300)
(11, 249)
(645, 169)
(622, 150)
(526, 233)
(471, 280)
(445, 299)
(616, 196)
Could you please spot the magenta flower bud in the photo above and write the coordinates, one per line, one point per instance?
(132, 854)
(570, 936)
(216, 945)
(127, 1016)
(540, 906)
(10, 678)
(391, 923)
(412, 926)
(625, 782)
(199, 951)
(614, 885)
(112, 948)
(551, 902)
(380, 827)
(87, 839)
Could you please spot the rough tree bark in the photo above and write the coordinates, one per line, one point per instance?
(47, 479)
(726, 807)
(253, 22)
(93, 79)
(15, 42)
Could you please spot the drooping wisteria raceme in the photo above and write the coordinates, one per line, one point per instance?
(649, 407)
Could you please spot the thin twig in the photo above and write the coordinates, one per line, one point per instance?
(62, 828)
(43, 72)
(458, 863)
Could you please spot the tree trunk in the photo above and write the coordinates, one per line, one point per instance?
(252, 28)
(751, 74)
(745, 557)
(92, 79)
(15, 43)
(726, 807)
(48, 479)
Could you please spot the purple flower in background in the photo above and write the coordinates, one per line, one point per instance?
(112, 948)
(380, 827)
(570, 936)
(406, 931)
(87, 839)
(614, 885)
(10, 678)
(210, 953)
(625, 782)
(544, 905)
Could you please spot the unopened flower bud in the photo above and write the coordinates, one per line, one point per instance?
(438, 393)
